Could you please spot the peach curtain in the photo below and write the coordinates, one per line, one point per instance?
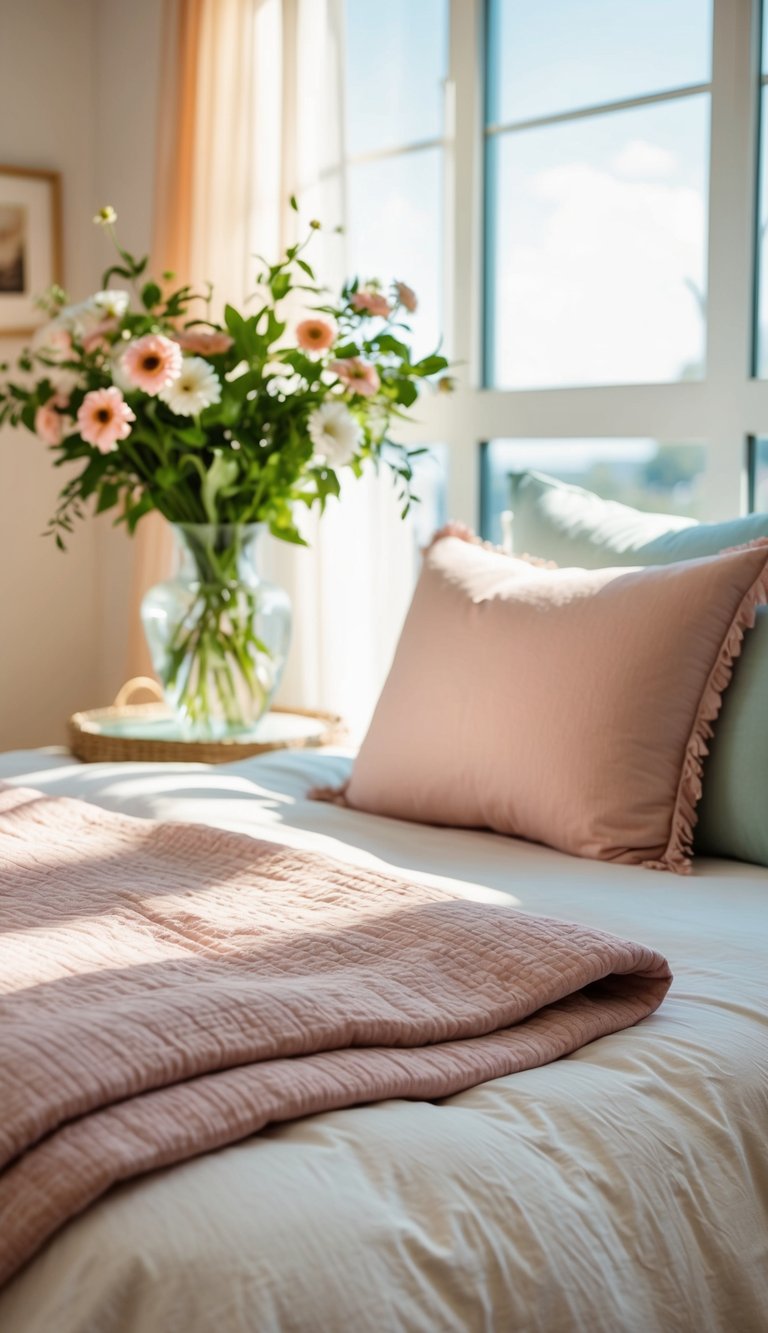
(250, 114)
(204, 176)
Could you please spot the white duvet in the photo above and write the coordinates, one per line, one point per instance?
(621, 1190)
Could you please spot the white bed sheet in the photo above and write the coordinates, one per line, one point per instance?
(622, 1189)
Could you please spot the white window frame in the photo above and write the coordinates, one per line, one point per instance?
(724, 409)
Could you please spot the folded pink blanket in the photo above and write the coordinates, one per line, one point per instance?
(167, 988)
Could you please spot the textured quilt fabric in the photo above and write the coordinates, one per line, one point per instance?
(166, 989)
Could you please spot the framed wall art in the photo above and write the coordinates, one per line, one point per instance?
(30, 245)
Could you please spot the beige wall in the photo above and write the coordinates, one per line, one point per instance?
(128, 37)
(77, 94)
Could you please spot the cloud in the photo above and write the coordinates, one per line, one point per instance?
(641, 160)
(593, 278)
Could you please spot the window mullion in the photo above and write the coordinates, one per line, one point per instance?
(463, 249)
(735, 75)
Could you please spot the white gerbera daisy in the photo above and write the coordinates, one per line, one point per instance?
(196, 388)
(334, 433)
(119, 376)
(111, 304)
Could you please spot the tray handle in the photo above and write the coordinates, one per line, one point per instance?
(138, 685)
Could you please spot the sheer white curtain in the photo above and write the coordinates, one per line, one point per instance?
(351, 588)
(258, 116)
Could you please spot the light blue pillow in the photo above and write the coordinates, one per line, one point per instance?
(572, 526)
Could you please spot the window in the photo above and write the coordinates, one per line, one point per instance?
(574, 191)
(396, 62)
(761, 314)
(759, 477)
(596, 172)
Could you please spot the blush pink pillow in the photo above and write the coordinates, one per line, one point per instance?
(567, 706)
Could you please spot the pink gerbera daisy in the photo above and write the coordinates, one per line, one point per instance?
(97, 340)
(104, 418)
(204, 342)
(357, 375)
(407, 297)
(49, 424)
(315, 334)
(152, 363)
(371, 302)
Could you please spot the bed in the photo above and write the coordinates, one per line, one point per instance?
(623, 1188)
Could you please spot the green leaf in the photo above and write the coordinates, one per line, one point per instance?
(109, 494)
(136, 511)
(243, 331)
(386, 342)
(115, 269)
(302, 263)
(191, 435)
(287, 533)
(220, 475)
(294, 203)
(407, 393)
(280, 285)
(151, 295)
(167, 477)
(430, 365)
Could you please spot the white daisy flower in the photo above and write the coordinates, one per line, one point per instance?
(119, 377)
(80, 319)
(196, 388)
(111, 304)
(334, 433)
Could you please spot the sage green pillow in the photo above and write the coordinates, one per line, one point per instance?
(575, 527)
(733, 814)
(572, 526)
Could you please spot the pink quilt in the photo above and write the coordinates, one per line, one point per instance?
(166, 989)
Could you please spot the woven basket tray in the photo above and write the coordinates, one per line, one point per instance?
(143, 732)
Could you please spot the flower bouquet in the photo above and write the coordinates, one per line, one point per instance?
(224, 429)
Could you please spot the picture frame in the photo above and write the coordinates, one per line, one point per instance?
(30, 245)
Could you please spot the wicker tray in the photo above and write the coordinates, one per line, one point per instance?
(147, 732)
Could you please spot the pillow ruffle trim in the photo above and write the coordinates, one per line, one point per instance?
(679, 851)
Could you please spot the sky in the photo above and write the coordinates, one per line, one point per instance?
(598, 225)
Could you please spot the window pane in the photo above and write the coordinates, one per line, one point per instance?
(430, 484)
(395, 230)
(759, 480)
(396, 57)
(596, 262)
(761, 323)
(547, 56)
(647, 474)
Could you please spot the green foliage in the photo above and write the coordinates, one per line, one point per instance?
(248, 457)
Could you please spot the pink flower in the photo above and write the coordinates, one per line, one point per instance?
(49, 424)
(357, 375)
(204, 342)
(104, 418)
(371, 302)
(151, 363)
(315, 334)
(97, 340)
(406, 297)
(54, 341)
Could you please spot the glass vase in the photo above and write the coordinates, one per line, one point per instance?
(218, 633)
